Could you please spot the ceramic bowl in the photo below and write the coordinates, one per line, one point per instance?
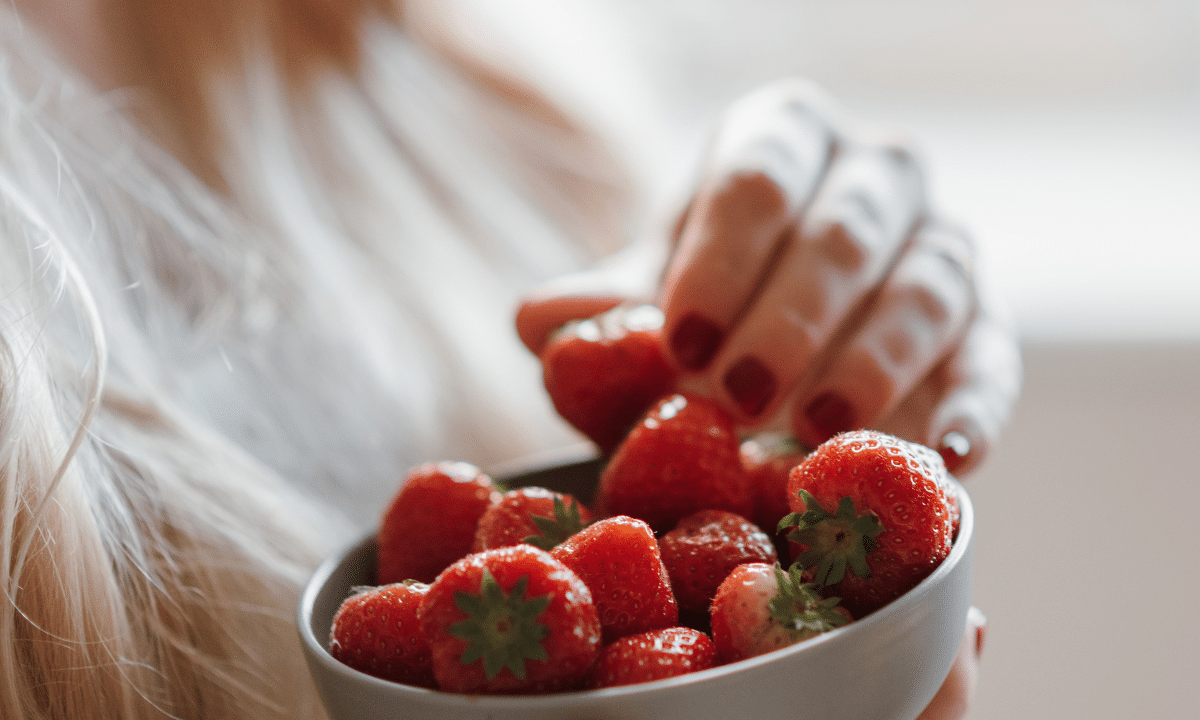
(885, 666)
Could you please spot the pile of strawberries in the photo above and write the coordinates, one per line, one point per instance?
(673, 568)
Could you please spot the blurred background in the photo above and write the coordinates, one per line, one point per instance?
(1066, 135)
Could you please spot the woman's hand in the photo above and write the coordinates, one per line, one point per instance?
(953, 699)
(808, 287)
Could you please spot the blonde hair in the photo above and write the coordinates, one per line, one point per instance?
(215, 362)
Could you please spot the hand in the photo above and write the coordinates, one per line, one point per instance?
(954, 697)
(807, 286)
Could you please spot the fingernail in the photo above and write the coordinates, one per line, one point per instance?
(830, 414)
(979, 620)
(695, 341)
(751, 384)
(954, 449)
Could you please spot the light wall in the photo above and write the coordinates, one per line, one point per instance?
(1065, 133)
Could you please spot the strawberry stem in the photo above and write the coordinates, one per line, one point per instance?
(833, 540)
(798, 607)
(565, 523)
(501, 629)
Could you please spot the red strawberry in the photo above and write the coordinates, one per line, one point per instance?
(602, 373)
(376, 631)
(759, 608)
(619, 560)
(768, 462)
(682, 457)
(431, 520)
(654, 655)
(510, 620)
(704, 548)
(871, 517)
(534, 515)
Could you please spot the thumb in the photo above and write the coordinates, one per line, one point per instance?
(631, 274)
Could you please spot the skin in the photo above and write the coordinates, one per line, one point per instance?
(807, 251)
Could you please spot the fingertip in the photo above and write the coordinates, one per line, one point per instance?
(954, 448)
(694, 341)
(538, 318)
(977, 620)
(961, 443)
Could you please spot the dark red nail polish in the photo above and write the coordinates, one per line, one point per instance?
(751, 384)
(830, 414)
(954, 449)
(695, 341)
(979, 620)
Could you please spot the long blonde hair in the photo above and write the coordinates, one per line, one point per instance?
(234, 306)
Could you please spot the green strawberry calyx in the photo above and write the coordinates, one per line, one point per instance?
(502, 628)
(565, 523)
(834, 540)
(798, 607)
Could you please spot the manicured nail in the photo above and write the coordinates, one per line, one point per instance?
(830, 414)
(695, 341)
(751, 384)
(954, 449)
(979, 620)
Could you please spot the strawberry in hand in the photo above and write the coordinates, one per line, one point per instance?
(872, 517)
(604, 372)
(510, 620)
(759, 609)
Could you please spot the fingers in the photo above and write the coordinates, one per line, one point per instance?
(807, 288)
(630, 274)
(771, 151)
(954, 697)
(832, 263)
(911, 323)
(962, 405)
(538, 318)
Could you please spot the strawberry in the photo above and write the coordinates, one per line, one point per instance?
(431, 520)
(376, 631)
(759, 608)
(704, 548)
(682, 457)
(509, 620)
(534, 515)
(654, 655)
(619, 561)
(768, 462)
(602, 373)
(871, 516)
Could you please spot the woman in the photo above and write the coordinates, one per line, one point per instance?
(260, 257)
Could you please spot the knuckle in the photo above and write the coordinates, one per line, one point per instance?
(932, 302)
(897, 350)
(903, 156)
(751, 191)
(794, 96)
(844, 247)
(876, 370)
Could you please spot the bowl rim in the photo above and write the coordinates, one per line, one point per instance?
(318, 652)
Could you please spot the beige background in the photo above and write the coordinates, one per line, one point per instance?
(1066, 134)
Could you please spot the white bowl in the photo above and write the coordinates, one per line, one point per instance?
(885, 666)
